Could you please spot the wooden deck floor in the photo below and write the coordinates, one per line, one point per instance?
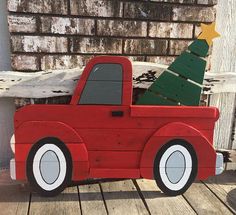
(215, 196)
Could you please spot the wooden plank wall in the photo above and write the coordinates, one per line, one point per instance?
(223, 61)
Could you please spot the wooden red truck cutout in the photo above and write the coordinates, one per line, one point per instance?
(100, 134)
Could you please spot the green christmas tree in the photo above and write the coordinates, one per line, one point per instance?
(181, 83)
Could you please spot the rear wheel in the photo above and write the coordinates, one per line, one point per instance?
(175, 167)
(49, 167)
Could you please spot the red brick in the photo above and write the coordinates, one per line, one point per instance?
(18, 23)
(197, 14)
(147, 10)
(96, 45)
(122, 28)
(64, 62)
(64, 25)
(170, 30)
(38, 6)
(145, 46)
(24, 62)
(178, 46)
(38, 44)
(103, 8)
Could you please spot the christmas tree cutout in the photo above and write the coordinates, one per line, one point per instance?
(181, 83)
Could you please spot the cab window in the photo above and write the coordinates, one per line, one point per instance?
(104, 85)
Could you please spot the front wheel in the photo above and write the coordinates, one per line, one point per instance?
(175, 167)
(49, 167)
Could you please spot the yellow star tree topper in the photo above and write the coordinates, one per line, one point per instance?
(208, 33)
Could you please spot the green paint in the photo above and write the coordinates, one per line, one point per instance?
(150, 98)
(189, 66)
(177, 88)
(199, 48)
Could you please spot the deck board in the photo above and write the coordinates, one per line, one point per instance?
(14, 200)
(159, 203)
(65, 203)
(217, 195)
(91, 200)
(224, 187)
(122, 198)
(204, 201)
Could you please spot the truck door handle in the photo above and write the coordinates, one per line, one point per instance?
(117, 113)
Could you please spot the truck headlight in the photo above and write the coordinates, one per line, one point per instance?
(12, 142)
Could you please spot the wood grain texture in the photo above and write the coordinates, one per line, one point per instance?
(229, 155)
(65, 203)
(53, 83)
(223, 129)
(224, 187)
(223, 61)
(122, 198)
(159, 203)
(204, 201)
(14, 200)
(91, 199)
(234, 134)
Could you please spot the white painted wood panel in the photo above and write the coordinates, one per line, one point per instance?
(62, 82)
(224, 61)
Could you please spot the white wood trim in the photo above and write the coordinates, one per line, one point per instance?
(223, 60)
(52, 83)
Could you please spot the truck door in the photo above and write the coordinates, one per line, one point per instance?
(108, 131)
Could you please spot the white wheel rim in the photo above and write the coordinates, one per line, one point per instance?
(178, 166)
(37, 167)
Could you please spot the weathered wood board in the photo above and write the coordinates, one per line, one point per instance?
(91, 199)
(204, 201)
(234, 133)
(159, 203)
(216, 196)
(229, 155)
(224, 187)
(122, 198)
(53, 83)
(223, 129)
(65, 203)
(14, 200)
(223, 62)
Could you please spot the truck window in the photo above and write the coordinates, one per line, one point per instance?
(104, 85)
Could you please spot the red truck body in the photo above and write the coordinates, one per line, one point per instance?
(115, 141)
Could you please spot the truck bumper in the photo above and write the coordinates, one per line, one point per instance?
(219, 164)
(13, 169)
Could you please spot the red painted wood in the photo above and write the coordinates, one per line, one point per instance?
(115, 147)
(21, 171)
(114, 159)
(99, 117)
(115, 139)
(115, 173)
(175, 111)
(80, 170)
(32, 131)
(205, 152)
(127, 77)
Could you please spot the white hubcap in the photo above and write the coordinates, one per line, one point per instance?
(175, 167)
(49, 167)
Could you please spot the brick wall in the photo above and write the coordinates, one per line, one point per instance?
(48, 34)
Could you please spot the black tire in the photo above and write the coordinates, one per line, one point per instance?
(58, 172)
(175, 179)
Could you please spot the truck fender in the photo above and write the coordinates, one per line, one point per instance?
(31, 132)
(204, 150)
